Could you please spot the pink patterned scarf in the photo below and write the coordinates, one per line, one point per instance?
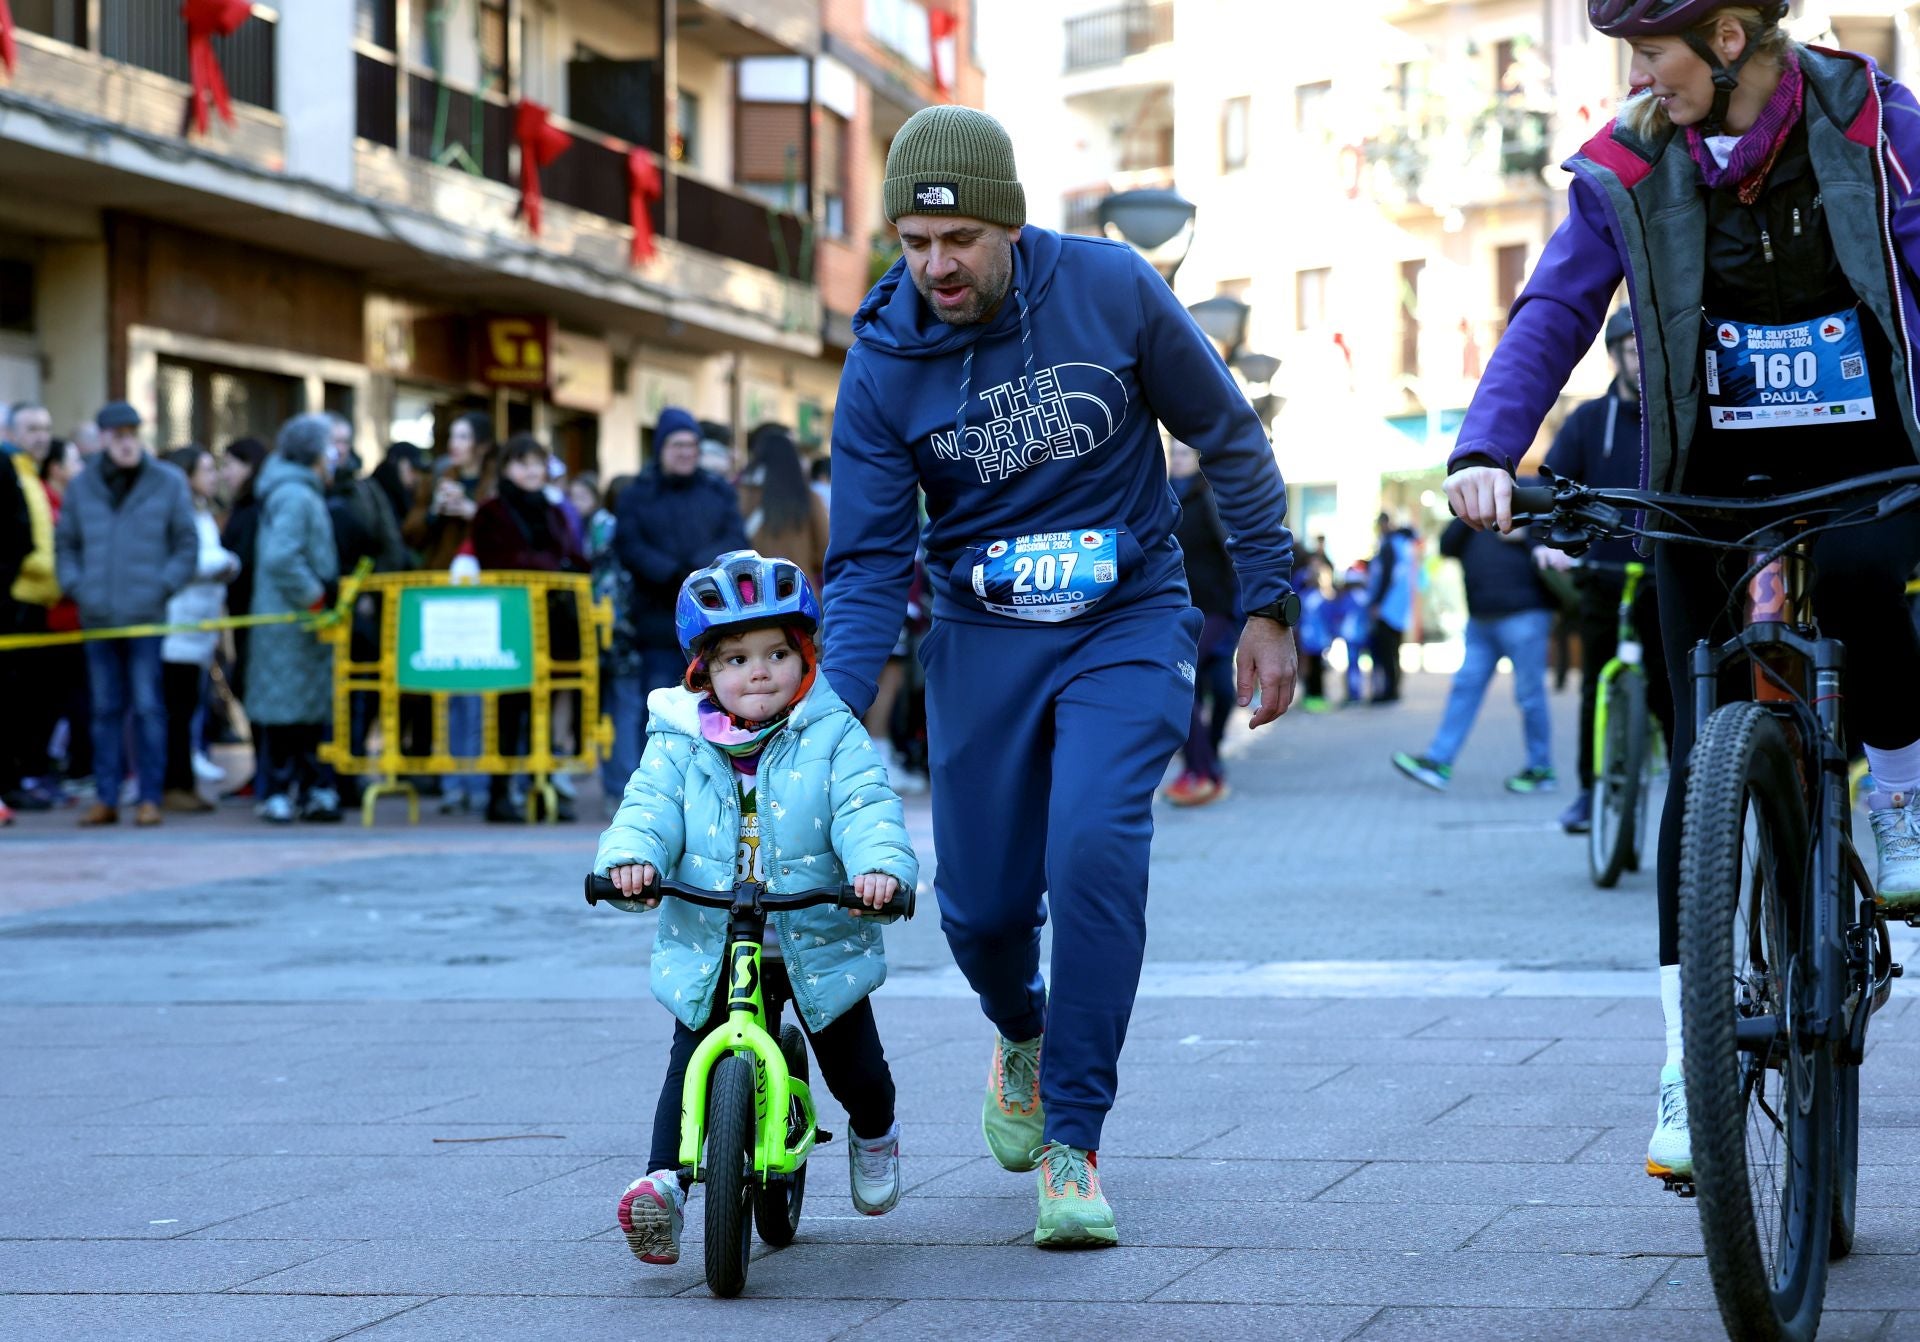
(1754, 153)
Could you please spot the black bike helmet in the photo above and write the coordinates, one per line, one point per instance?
(1680, 18)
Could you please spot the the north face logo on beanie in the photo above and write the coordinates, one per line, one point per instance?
(936, 196)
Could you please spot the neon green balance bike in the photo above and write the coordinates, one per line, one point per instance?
(747, 1118)
(1626, 747)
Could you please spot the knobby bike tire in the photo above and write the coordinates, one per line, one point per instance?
(1619, 783)
(1768, 1261)
(1858, 907)
(777, 1201)
(729, 1173)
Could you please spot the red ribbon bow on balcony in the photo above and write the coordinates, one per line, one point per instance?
(207, 19)
(643, 188)
(941, 25)
(541, 143)
(6, 38)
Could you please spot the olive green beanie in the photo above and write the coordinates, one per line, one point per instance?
(954, 160)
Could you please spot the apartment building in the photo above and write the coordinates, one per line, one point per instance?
(358, 236)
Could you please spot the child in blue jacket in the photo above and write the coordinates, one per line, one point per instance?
(755, 770)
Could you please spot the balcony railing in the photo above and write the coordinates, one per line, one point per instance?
(1109, 36)
(460, 130)
(150, 34)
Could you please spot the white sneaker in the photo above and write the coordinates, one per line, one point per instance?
(650, 1215)
(1896, 833)
(206, 770)
(278, 810)
(323, 804)
(873, 1167)
(1671, 1150)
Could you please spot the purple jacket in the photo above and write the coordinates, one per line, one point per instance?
(1863, 128)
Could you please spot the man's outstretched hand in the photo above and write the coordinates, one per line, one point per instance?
(1268, 659)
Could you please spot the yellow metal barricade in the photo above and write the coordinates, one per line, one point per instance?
(490, 639)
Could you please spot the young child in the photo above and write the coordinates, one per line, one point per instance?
(755, 770)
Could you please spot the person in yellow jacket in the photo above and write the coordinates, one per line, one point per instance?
(35, 589)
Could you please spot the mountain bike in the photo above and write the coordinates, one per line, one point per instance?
(1623, 746)
(747, 1118)
(1771, 889)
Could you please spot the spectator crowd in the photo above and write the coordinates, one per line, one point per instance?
(102, 532)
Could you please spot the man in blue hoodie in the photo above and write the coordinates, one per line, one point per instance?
(1020, 379)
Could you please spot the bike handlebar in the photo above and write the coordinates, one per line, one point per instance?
(768, 901)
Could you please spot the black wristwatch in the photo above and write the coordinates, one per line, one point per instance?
(1285, 612)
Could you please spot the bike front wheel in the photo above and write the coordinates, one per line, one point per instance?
(1619, 782)
(1760, 1088)
(729, 1175)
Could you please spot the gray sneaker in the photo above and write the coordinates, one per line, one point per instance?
(1896, 833)
(1670, 1150)
(873, 1168)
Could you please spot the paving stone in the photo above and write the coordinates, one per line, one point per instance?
(571, 1319)
(307, 1176)
(1296, 1141)
(476, 1267)
(958, 1272)
(1118, 1322)
(1672, 1231)
(192, 1318)
(60, 1267)
(1582, 1325)
(1340, 1277)
(1586, 1110)
(1458, 1182)
(1125, 1177)
(409, 1214)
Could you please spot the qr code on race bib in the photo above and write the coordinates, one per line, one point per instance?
(1852, 366)
(1103, 571)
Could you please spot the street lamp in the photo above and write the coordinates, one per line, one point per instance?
(1224, 319)
(1156, 222)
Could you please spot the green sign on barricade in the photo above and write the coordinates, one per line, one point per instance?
(465, 640)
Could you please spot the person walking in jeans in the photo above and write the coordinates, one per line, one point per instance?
(126, 542)
(1509, 614)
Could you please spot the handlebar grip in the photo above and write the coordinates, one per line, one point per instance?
(900, 906)
(599, 888)
(1534, 499)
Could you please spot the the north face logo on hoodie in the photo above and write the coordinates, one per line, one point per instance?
(936, 196)
(1067, 411)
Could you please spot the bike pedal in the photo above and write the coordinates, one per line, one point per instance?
(821, 1136)
(1678, 1185)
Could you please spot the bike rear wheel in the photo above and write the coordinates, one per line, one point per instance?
(1762, 1114)
(729, 1174)
(1619, 783)
(776, 1202)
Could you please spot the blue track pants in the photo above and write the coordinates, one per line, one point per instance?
(1046, 743)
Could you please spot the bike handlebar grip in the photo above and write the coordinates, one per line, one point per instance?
(599, 888)
(900, 906)
(1534, 499)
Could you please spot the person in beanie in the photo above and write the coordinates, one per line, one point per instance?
(1016, 376)
(673, 519)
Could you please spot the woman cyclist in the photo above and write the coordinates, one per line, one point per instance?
(1754, 193)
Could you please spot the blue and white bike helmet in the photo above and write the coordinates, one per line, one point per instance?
(743, 589)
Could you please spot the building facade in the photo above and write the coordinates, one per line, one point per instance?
(356, 237)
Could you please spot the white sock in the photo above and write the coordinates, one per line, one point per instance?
(1894, 772)
(1670, 1010)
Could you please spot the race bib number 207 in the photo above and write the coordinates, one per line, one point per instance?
(1049, 576)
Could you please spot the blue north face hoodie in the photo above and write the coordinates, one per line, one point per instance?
(1044, 419)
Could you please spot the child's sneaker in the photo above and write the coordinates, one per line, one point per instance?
(650, 1215)
(874, 1170)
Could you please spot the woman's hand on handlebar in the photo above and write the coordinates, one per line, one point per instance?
(1482, 496)
(632, 881)
(876, 890)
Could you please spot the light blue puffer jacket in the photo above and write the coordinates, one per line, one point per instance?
(826, 814)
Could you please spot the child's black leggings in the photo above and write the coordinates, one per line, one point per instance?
(849, 1056)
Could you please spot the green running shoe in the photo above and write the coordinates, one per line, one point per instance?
(1533, 780)
(1011, 1118)
(1073, 1212)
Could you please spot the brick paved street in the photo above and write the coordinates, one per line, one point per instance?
(1390, 1077)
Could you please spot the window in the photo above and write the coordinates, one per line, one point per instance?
(901, 25)
(1235, 114)
(1509, 276)
(769, 144)
(1310, 298)
(493, 46)
(1312, 111)
(16, 296)
(833, 184)
(686, 135)
(1410, 272)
